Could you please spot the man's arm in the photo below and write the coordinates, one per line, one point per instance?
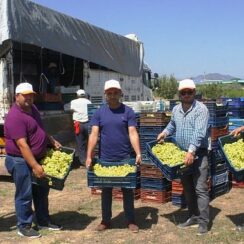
(92, 141)
(29, 157)
(134, 139)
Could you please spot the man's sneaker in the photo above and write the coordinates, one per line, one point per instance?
(29, 232)
(191, 222)
(202, 229)
(240, 228)
(50, 226)
(102, 226)
(133, 227)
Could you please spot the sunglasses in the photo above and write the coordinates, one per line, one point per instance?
(183, 93)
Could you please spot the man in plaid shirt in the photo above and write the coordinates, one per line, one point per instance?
(189, 122)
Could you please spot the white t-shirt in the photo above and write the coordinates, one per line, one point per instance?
(79, 106)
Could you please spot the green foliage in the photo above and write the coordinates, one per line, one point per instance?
(213, 91)
(167, 87)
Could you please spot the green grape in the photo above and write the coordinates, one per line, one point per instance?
(56, 163)
(114, 171)
(235, 153)
(168, 153)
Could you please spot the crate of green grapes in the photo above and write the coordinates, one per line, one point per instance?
(233, 152)
(113, 174)
(56, 165)
(168, 157)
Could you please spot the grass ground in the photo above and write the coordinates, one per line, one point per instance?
(79, 213)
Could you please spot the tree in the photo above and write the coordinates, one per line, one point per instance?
(167, 87)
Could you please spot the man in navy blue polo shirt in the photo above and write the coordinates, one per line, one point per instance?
(26, 143)
(116, 124)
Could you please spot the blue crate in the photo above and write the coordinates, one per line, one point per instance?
(129, 181)
(218, 121)
(220, 190)
(178, 200)
(157, 184)
(170, 173)
(219, 179)
(238, 174)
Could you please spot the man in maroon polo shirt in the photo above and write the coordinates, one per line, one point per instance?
(26, 143)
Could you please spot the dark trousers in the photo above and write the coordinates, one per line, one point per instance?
(128, 203)
(196, 188)
(26, 192)
(81, 141)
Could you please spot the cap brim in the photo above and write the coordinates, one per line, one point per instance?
(112, 88)
(182, 88)
(27, 92)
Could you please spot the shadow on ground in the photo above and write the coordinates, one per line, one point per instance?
(145, 218)
(237, 219)
(70, 220)
(181, 215)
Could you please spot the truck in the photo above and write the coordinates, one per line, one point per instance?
(32, 37)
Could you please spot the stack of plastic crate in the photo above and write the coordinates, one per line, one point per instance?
(218, 122)
(236, 106)
(178, 197)
(151, 124)
(154, 186)
(219, 175)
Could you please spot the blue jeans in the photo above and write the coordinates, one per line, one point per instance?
(196, 188)
(26, 192)
(81, 140)
(128, 203)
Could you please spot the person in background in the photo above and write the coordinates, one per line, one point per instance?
(189, 122)
(236, 132)
(26, 144)
(80, 118)
(116, 125)
(53, 77)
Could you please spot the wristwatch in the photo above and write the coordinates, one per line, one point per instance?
(191, 151)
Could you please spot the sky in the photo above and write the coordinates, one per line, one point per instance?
(184, 38)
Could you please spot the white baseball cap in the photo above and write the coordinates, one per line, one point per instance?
(24, 88)
(80, 92)
(111, 84)
(186, 84)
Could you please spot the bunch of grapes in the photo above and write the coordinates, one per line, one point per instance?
(56, 163)
(169, 153)
(235, 153)
(114, 171)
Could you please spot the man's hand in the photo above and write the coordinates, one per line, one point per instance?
(161, 137)
(138, 159)
(237, 131)
(189, 159)
(38, 171)
(56, 144)
(88, 163)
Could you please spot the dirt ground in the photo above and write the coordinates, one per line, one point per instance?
(79, 213)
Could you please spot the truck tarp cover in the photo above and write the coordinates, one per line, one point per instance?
(26, 22)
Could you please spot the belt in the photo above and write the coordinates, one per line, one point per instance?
(14, 155)
(82, 122)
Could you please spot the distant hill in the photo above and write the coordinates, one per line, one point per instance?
(212, 76)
